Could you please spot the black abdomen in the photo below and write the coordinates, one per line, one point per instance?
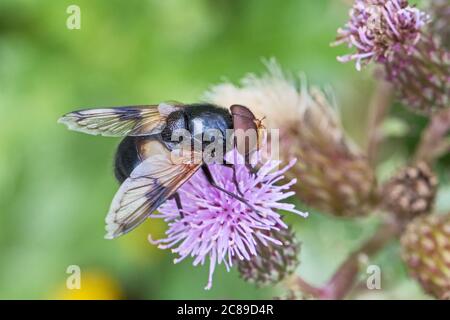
(127, 157)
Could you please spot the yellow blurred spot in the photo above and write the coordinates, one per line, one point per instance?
(136, 244)
(94, 286)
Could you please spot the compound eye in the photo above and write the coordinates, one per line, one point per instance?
(245, 129)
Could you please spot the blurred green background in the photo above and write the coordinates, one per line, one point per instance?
(56, 185)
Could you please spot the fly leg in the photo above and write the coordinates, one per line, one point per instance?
(235, 181)
(176, 197)
(250, 169)
(210, 179)
(233, 167)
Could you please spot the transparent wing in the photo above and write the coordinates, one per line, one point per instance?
(150, 184)
(120, 121)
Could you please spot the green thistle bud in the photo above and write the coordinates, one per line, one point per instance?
(273, 262)
(426, 252)
(411, 192)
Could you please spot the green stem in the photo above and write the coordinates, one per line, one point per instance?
(346, 275)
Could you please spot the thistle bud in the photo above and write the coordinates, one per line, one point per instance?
(426, 252)
(411, 192)
(273, 262)
(335, 175)
(421, 75)
(440, 20)
(394, 33)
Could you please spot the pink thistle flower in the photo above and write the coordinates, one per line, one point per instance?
(392, 33)
(216, 226)
(377, 27)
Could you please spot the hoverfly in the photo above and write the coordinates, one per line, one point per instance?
(145, 164)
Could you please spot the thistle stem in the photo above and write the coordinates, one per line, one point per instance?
(433, 143)
(345, 277)
(378, 109)
(298, 283)
(343, 280)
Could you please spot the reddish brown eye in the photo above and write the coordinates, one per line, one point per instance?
(245, 129)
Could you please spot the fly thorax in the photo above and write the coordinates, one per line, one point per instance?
(208, 136)
(175, 130)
